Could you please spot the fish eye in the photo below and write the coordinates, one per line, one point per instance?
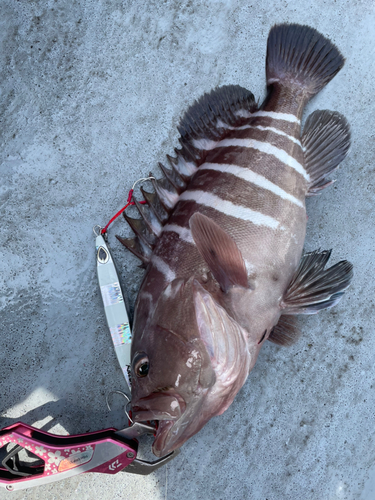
(141, 364)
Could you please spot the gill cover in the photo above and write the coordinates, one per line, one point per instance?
(226, 344)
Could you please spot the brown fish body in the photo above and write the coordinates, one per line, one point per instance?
(271, 253)
(224, 271)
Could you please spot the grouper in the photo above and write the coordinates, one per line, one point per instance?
(221, 238)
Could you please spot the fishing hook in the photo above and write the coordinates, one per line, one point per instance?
(143, 179)
(126, 407)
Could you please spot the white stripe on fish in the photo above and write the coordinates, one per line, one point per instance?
(250, 176)
(183, 232)
(221, 124)
(276, 131)
(163, 268)
(204, 144)
(267, 148)
(169, 198)
(288, 117)
(228, 208)
(185, 167)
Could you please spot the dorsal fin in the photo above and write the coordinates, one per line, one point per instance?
(154, 203)
(166, 193)
(174, 178)
(153, 224)
(141, 230)
(185, 168)
(219, 251)
(206, 117)
(137, 248)
(209, 118)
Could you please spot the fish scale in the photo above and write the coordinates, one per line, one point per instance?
(224, 264)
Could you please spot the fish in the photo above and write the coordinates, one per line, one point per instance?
(221, 238)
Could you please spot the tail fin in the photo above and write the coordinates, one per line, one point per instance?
(300, 56)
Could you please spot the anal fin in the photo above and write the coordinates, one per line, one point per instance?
(314, 288)
(326, 142)
(286, 332)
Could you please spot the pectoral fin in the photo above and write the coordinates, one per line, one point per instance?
(314, 288)
(219, 251)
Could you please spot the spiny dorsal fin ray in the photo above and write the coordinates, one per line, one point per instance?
(286, 332)
(141, 230)
(185, 168)
(173, 162)
(174, 178)
(166, 193)
(314, 288)
(135, 246)
(219, 251)
(189, 153)
(154, 203)
(153, 224)
(326, 142)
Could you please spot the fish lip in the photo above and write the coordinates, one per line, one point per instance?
(147, 415)
(152, 407)
(162, 433)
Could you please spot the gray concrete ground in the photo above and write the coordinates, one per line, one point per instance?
(91, 93)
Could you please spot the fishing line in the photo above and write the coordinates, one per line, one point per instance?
(129, 202)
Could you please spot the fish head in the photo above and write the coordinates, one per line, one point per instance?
(188, 364)
(171, 369)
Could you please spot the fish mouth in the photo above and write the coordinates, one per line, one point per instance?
(166, 410)
(161, 445)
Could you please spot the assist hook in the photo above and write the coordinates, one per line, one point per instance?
(127, 404)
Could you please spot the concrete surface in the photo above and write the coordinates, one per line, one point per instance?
(91, 93)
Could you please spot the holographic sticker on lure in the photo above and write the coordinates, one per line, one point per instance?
(111, 294)
(121, 334)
